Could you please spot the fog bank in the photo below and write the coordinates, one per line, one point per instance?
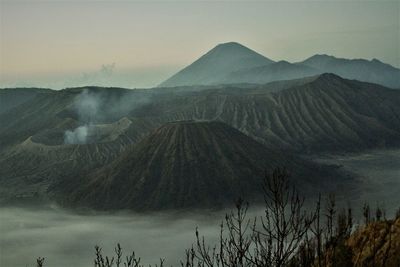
(67, 239)
(379, 174)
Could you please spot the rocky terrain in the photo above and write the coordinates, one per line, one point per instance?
(376, 244)
(53, 138)
(190, 164)
(325, 113)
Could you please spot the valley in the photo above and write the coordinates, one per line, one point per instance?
(379, 173)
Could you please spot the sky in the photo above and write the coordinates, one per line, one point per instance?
(58, 44)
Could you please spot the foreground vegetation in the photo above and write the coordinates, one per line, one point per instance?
(288, 235)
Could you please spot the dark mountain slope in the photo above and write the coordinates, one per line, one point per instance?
(51, 109)
(324, 113)
(313, 114)
(10, 98)
(327, 113)
(216, 65)
(373, 71)
(29, 168)
(27, 172)
(33, 150)
(187, 164)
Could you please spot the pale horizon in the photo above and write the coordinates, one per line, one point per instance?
(140, 44)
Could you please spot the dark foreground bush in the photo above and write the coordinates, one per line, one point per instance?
(287, 234)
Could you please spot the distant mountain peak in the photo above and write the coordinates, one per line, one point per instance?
(327, 77)
(232, 62)
(230, 44)
(373, 71)
(319, 58)
(217, 64)
(325, 57)
(236, 50)
(322, 56)
(283, 62)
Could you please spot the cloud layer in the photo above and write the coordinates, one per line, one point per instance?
(67, 239)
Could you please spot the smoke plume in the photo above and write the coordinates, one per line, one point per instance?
(92, 107)
(86, 105)
(77, 136)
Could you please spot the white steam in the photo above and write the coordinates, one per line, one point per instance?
(77, 136)
(101, 106)
(87, 106)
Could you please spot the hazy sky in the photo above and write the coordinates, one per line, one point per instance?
(139, 44)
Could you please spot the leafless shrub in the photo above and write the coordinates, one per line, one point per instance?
(130, 261)
(285, 224)
(39, 262)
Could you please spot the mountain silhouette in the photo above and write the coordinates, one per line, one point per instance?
(217, 64)
(233, 63)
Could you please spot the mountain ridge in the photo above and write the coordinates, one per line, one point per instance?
(318, 114)
(239, 71)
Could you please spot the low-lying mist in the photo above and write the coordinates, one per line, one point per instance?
(379, 174)
(68, 239)
(65, 238)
